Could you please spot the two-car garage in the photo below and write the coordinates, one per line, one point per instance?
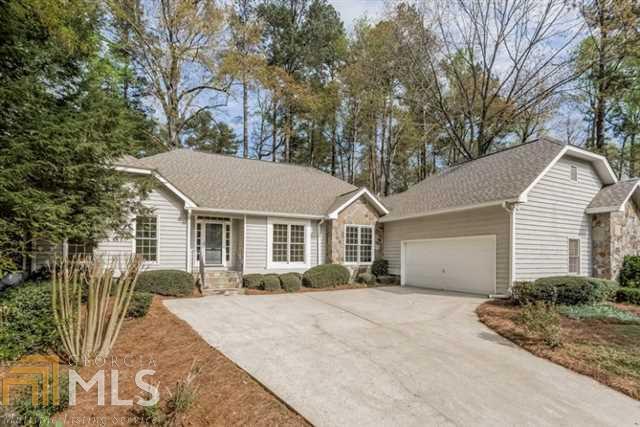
(466, 251)
(464, 264)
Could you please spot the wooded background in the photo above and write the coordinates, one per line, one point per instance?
(430, 84)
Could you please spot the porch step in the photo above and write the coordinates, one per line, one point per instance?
(222, 280)
(223, 291)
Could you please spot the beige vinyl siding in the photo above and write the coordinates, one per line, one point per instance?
(172, 234)
(553, 214)
(256, 250)
(476, 222)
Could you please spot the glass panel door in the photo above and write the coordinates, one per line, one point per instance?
(213, 244)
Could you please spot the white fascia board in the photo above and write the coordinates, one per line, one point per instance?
(450, 210)
(364, 191)
(188, 203)
(600, 163)
(259, 213)
(604, 209)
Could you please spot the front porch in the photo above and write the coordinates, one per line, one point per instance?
(216, 248)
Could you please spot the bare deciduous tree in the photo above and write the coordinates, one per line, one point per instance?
(482, 67)
(176, 46)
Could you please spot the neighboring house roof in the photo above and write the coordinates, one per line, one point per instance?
(228, 183)
(504, 176)
(613, 197)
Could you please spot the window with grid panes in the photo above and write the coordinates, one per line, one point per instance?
(147, 237)
(358, 247)
(288, 243)
(574, 256)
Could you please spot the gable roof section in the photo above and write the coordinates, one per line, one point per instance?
(232, 184)
(344, 200)
(504, 176)
(613, 197)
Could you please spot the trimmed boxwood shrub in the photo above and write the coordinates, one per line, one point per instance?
(380, 267)
(326, 276)
(139, 305)
(171, 283)
(27, 321)
(628, 295)
(565, 290)
(630, 273)
(252, 281)
(271, 282)
(291, 282)
(367, 278)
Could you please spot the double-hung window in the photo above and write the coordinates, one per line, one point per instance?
(358, 244)
(574, 256)
(288, 243)
(147, 237)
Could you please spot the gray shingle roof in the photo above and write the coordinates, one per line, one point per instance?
(613, 196)
(496, 177)
(224, 182)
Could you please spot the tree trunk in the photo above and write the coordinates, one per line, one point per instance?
(245, 116)
(274, 129)
(601, 101)
(334, 142)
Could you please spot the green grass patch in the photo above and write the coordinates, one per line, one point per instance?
(598, 312)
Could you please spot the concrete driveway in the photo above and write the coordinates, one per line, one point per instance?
(396, 356)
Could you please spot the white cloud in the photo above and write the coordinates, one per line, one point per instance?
(351, 10)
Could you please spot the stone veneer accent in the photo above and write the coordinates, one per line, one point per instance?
(614, 236)
(359, 212)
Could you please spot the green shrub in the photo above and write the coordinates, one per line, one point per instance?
(139, 305)
(40, 415)
(605, 290)
(26, 323)
(271, 282)
(542, 320)
(630, 273)
(326, 276)
(380, 267)
(252, 281)
(367, 278)
(601, 311)
(291, 282)
(525, 293)
(171, 283)
(576, 290)
(628, 295)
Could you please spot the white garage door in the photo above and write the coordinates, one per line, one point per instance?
(466, 264)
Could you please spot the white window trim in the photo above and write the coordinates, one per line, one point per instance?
(573, 168)
(202, 223)
(307, 243)
(373, 244)
(133, 246)
(579, 240)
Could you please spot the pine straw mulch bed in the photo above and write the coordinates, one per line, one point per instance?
(303, 289)
(605, 350)
(226, 395)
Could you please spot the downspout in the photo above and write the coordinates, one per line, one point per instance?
(318, 241)
(511, 207)
(189, 258)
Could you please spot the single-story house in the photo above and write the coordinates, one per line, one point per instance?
(533, 210)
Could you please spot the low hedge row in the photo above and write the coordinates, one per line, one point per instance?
(326, 276)
(170, 283)
(628, 295)
(321, 276)
(565, 290)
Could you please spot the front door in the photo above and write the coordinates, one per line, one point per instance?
(213, 243)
